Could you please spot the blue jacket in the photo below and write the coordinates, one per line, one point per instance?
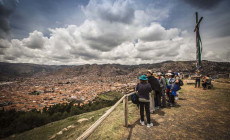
(174, 90)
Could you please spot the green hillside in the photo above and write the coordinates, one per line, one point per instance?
(28, 119)
(71, 128)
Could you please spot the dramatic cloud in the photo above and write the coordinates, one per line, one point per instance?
(103, 35)
(156, 32)
(35, 40)
(3, 45)
(6, 9)
(204, 4)
(118, 11)
(120, 31)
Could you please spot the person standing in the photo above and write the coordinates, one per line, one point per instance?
(162, 82)
(197, 80)
(172, 89)
(154, 101)
(178, 85)
(168, 78)
(144, 88)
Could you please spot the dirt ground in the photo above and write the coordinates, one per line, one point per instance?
(199, 114)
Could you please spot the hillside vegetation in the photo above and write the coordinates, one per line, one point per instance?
(12, 122)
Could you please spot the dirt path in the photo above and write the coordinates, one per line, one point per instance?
(200, 114)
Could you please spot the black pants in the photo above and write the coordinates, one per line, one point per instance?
(163, 94)
(197, 82)
(147, 111)
(171, 99)
(204, 85)
(157, 99)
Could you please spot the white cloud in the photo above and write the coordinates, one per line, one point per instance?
(36, 40)
(120, 11)
(4, 44)
(156, 32)
(106, 36)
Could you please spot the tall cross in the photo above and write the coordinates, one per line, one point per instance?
(198, 42)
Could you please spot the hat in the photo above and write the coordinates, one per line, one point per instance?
(159, 74)
(143, 77)
(150, 71)
(168, 74)
(176, 73)
(154, 74)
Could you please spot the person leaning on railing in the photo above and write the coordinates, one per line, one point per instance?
(144, 88)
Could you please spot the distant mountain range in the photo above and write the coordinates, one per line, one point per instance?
(13, 71)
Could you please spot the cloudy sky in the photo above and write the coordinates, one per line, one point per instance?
(73, 32)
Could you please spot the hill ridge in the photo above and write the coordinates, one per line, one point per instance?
(13, 71)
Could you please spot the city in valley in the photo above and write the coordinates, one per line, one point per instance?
(39, 91)
(24, 87)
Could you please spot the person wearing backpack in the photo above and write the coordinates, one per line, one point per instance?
(144, 88)
(155, 95)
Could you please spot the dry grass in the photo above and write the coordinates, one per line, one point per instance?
(199, 114)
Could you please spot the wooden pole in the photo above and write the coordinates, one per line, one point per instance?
(90, 130)
(125, 104)
(99, 121)
(197, 41)
(197, 29)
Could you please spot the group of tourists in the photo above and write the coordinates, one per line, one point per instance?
(157, 91)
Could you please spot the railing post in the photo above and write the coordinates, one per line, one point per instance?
(90, 130)
(125, 104)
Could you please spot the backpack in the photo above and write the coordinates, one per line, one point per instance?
(135, 99)
(181, 82)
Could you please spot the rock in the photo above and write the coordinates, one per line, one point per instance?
(160, 120)
(71, 126)
(64, 129)
(91, 117)
(60, 133)
(82, 120)
(53, 137)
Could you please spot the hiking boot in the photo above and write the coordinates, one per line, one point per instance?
(142, 122)
(149, 125)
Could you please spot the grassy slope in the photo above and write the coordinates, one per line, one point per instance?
(200, 114)
(47, 131)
